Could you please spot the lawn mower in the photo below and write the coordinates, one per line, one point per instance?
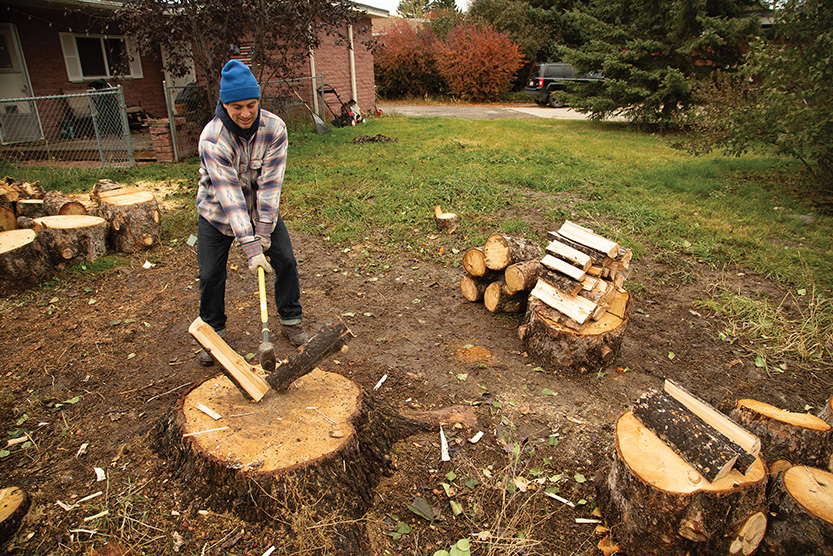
(350, 113)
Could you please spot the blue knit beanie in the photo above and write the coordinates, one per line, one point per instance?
(237, 83)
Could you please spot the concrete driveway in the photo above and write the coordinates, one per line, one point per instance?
(480, 111)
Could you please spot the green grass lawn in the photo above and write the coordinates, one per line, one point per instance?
(511, 175)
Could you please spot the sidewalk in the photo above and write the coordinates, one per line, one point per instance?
(482, 111)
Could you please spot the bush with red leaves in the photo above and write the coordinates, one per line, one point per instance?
(405, 66)
(477, 62)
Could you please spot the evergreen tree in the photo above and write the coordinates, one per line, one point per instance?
(648, 51)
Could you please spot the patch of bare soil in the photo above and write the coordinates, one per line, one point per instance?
(90, 366)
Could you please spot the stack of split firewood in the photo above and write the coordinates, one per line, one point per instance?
(42, 232)
(686, 478)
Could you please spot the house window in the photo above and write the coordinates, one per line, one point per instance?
(91, 57)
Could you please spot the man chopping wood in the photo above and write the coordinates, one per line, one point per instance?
(242, 162)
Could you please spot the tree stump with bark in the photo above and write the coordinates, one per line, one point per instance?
(58, 203)
(801, 506)
(445, 221)
(561, 343)
(315, 451)
(72, 239)
(23, 261)
(656, 504)
(800, 438)
(31, 208)
(134, 218)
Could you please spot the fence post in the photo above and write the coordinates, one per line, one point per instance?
(128, 142)
(96, 128)
(171, 121)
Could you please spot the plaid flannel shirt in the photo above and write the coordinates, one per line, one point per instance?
(240, 182)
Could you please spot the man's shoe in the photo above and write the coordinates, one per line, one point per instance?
(205, 359)
(296, 334)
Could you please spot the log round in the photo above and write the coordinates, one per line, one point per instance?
(134, 218)
(501, 250)
(23, 261)
(14, 503)
(800, 438)
(560, 343)
(657, 504)
(498, 299)
(317, 449)
(8, 220)
(58, 203)
(473, 288)
(801, 505)
(31, 208)
(72, 239)
(475, 264)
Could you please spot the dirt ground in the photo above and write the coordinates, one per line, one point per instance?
(90, 366)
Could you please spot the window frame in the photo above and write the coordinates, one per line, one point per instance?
(72, 59)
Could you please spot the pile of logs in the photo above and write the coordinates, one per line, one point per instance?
(573, 294)
(687, 479)
(42, 232)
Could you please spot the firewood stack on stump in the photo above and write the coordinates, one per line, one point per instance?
(42, 232)
(686, 479)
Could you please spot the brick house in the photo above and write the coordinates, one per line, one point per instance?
(55, 47)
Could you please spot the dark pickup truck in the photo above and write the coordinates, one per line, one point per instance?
(545, 79)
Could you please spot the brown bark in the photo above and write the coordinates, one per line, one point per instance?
(473, 288)
(134, 218)
(560, 344)
(498, 299)
(700, 445)
(801, 505)
(522, 276)
(800, 438)
(58, 203)
(316, 452)
(501, 250)
(23, 261)
(326, 341)
(560, 281)
(826, 413)
(103, 186)
(31, 208)
(656, 504)
(72, 239)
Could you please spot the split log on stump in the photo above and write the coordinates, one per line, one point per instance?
(23, 261)
(475, 264)
(31, 208)
(498, 299)
(102, 186)
(8, 220)
(134, 218)
(801, 505)
(561, 282)
(445, 221)
(58, 203)
(472, 287)
(561, 344)
(522, 276)
(657, 504)
(702, 446)
(72, 239)
(326, 341)
(800, 438)
(315, 451)
(14, 503)
(501, 250)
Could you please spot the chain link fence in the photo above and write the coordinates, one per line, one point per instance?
(189, 110)
(90, 127)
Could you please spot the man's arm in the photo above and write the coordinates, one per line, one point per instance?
(270, 182)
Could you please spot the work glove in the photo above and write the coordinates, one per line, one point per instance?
(260, 260)
(265, 241)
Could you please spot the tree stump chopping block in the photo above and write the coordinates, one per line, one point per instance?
(23, 261)
(134, 218)
(560, 343)
(312, 454)
(800, 438)
(658, 505)
(72, 239)
(801, 505)
(14, 503)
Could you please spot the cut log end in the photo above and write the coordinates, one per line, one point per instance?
(14, 503)
(445, 221)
